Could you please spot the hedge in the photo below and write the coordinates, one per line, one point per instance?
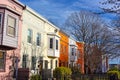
(62, 73)
(36, 77)
(114, 71)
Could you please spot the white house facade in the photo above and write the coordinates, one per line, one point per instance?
(72, 52)
(40, 42)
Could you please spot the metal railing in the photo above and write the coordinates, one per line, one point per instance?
(90, 77)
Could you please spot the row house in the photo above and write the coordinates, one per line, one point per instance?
(72, 52)
(39, 44)
(28, 40)
(80, 56)
(76, 54)
(10, 36)
(64, 49)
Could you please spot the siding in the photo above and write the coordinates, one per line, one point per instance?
(7, 40)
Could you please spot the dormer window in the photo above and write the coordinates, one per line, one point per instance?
(11, 26)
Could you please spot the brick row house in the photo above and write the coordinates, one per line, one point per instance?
(76, 54)
(64, 49)
(28, 40)
(10, 36)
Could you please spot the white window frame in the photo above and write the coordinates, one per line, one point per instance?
(25, 62)
(38, 35)
(30, 35)
(1, 22)
(72, 51)
(13, 27)
(50, 43)
(57, 44)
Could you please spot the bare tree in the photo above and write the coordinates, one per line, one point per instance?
(111, 6)
(88, 27)
(36, 55)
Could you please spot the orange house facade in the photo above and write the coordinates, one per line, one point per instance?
(64, 48)
(80, 56)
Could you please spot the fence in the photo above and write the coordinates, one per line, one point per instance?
(23, 74)
(90, 77)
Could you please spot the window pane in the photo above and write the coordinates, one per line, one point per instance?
(0, 22)
(56, 44)
(51, 43)
(56, 63)
(51, 63)
(29, 39)
(11, 21)
(38, 39)
(0, 19)
(33, 62)
(46, 64)
(2, 60)
(24, 62)
(11, 30)
(72, 51)
(11, 26)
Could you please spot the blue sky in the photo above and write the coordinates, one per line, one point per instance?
(58, 10)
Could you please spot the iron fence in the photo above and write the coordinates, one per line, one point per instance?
(90, 77)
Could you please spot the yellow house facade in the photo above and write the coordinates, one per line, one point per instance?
(40, 42)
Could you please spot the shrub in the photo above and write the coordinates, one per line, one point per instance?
(36, 77)
(114, 71)
(75, 70)
(62, 73)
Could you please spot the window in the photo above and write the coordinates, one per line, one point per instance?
(29, 36)
(56, 44)
(51, 43)
(33, 62)
(24, 61)
(38, 40)
(51, 63)
(79, 54)
(56, 63)
(2, 61)
(46, 64)
(11, 26)
(72, 52)
(61, 48)
(0, 20)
